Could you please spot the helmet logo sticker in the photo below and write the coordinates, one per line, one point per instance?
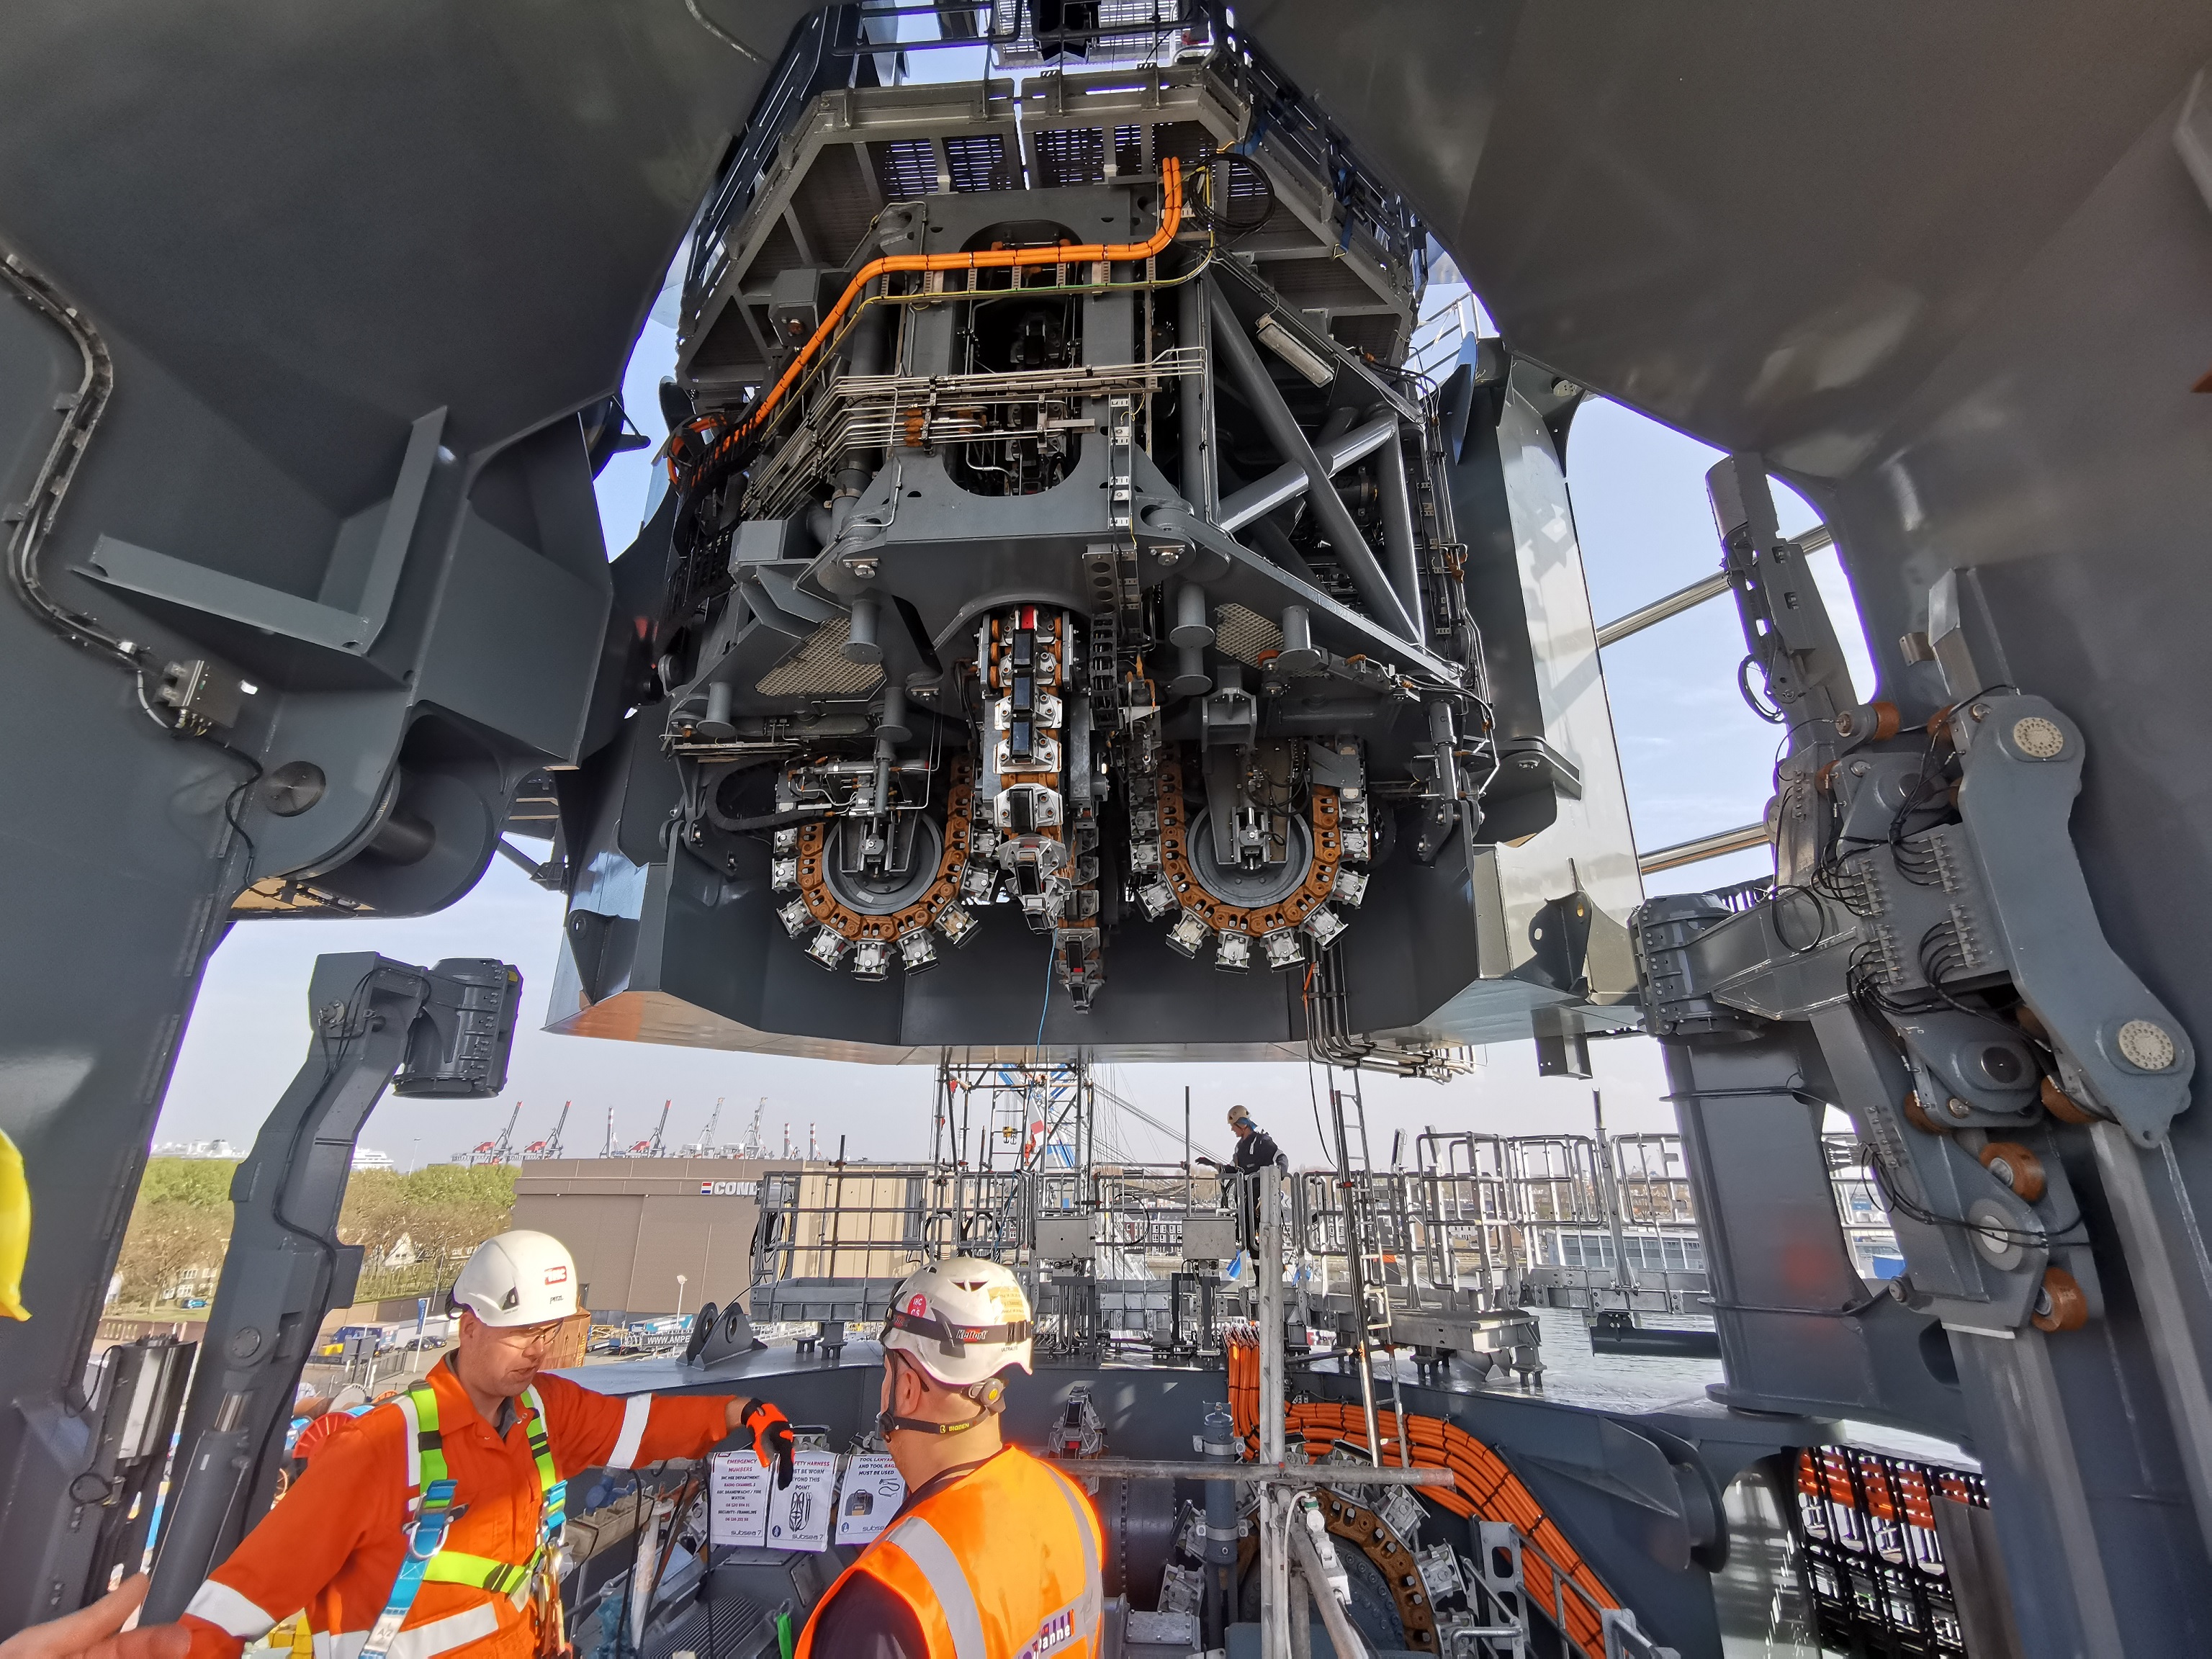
(556, 1275)
(917, 1304)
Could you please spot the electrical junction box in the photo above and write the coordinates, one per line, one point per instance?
(1066, 1237)
(1209, 1238)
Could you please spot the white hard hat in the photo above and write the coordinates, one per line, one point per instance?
(1239, 1115)
(963, 1319)
(518, 1279)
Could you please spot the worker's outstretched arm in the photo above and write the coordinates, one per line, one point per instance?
(598, 1431)
(354, 1488)
(91, 1632)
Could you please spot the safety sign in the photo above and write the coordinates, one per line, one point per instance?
(737, 1499)
(870, 1495)
(799, 1514)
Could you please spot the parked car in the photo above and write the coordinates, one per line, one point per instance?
(422, 1343)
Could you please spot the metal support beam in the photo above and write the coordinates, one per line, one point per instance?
(1398, 544)
(1307, 1559)
(1673, 604)
(2168, 1302)
(1276, 1518)
(2037, 1495)
(1287, 482)
(1799, 1330)
(1267, 1267)
(1234, 348)
(1202, 485)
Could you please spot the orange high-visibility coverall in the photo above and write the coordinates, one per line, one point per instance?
(333, 1544)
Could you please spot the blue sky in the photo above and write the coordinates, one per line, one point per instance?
(1695, 760)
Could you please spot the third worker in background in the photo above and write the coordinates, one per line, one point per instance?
(1255, 1150)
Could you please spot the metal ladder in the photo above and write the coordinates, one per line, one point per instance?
(1363, 1254)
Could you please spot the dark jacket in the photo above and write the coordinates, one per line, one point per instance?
(1254, 1151)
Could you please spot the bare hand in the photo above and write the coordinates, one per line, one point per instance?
(92, 1632)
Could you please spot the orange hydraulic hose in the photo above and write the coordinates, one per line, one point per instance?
(1487, 1487)
(1063, 253)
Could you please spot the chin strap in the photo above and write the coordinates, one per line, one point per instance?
(888, 1421)
(990, 1394)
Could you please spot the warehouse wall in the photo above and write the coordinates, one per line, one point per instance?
(634, 1224)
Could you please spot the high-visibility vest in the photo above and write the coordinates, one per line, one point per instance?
(426, 1465)
(1001, 1564)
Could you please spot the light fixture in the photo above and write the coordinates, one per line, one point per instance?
(1294, 351)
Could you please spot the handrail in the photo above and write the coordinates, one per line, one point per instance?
(892, 265)
(1688, 598)
(1705, 847)
(1673, 604)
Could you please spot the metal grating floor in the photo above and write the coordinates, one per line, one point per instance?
(817, 669)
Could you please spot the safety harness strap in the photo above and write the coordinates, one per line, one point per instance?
(426, 1538)
(426, 1471)
(481, 1572)
(553, 1491)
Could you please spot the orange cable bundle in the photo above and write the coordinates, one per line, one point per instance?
(1809, 1475)
(986, 260)
(1487, 1488)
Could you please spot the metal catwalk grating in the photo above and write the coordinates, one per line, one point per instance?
(819, 670)
(905, 167)
(1245, 635)
(1070, 155)
(1138, 31)
(979, 160)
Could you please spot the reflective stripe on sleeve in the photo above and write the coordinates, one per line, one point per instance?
(636, 1410)
(423, 1642)
(924, 1545)
(229, 1612)
(407, 1414)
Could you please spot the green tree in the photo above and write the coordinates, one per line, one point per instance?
(182, 1220)
(446, 1210)
(202, 1182)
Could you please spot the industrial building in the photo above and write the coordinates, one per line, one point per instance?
(636, 1223)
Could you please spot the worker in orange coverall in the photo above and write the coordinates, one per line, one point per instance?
(460, 1481)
